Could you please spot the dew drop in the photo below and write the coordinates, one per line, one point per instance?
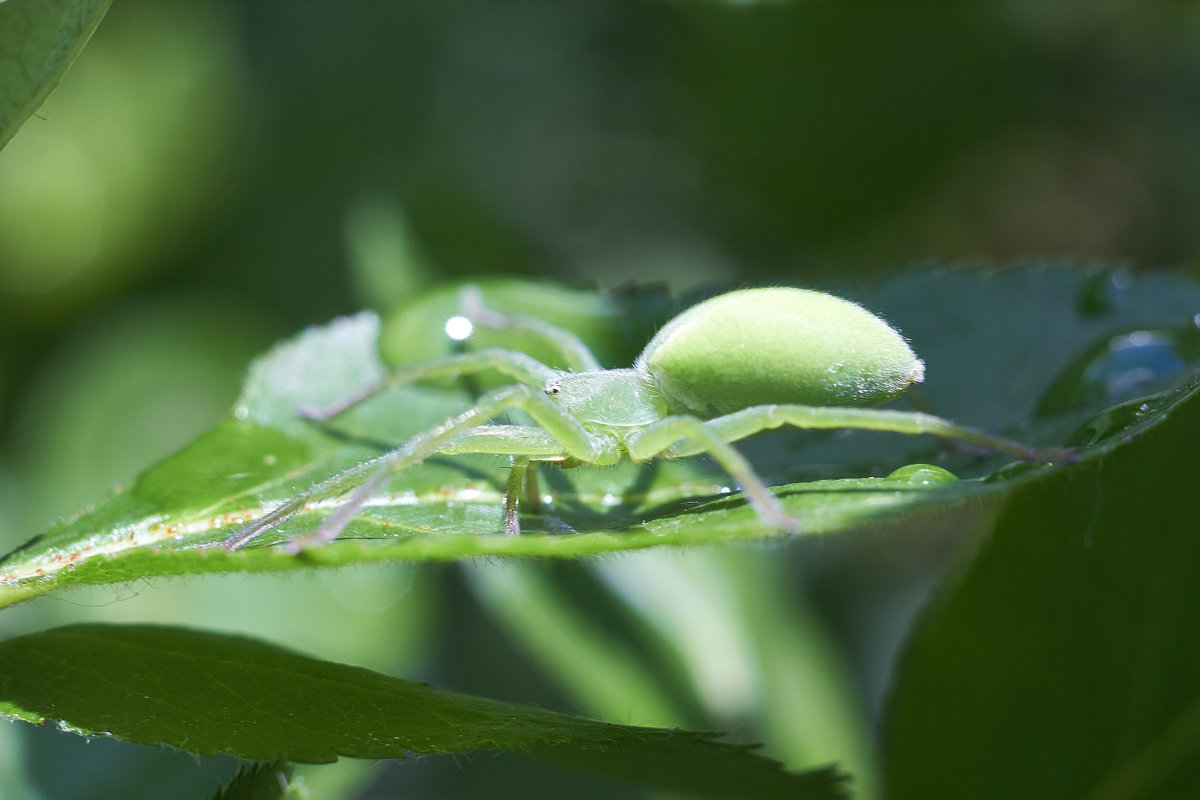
(1111, 422)
(922, 475)
(459, 328)
(1121, 365)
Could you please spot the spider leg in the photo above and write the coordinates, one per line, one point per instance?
(700, 437)
(330, 487)
(528, 445)
(512, 495)
(748, 421)
(520, 367)
(574, 353)
(569, 438)
(679, 436)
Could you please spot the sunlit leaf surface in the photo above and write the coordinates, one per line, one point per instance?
(1050, 356)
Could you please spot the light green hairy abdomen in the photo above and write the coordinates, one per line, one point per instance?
(778, 345)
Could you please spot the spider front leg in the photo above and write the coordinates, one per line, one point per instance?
(522, 368)
(569, 437)
(573, 353)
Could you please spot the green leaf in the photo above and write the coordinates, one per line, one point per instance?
(209, 693)
(39, 40)
(1044, 355)
(1065, 661)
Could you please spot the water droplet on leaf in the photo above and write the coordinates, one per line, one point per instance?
(923, 475)
(1121, 365)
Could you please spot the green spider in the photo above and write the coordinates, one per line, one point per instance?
(725, 369)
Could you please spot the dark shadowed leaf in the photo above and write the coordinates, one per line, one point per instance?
(210, 693)
(1064, 661)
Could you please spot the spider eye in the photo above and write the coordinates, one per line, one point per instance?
(551, 388)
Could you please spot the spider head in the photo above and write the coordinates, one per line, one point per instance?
(617, 398)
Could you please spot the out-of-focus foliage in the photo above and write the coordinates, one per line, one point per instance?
(38, 42)
(210, 177)
(124, 162)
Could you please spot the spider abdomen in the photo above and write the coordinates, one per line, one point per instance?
(777, 345)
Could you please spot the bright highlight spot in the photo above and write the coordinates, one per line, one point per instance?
(459, 328)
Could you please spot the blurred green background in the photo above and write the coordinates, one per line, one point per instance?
(211, 176)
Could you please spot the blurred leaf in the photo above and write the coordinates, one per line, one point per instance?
(173, 518)
(616, 325)
(264, 781)
(386, 260)
(124, 391)
(1064, 662)
(600, 670)
(812, 86)
(209, 693)
(39, 39)
(744, 647)
(134, 158)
